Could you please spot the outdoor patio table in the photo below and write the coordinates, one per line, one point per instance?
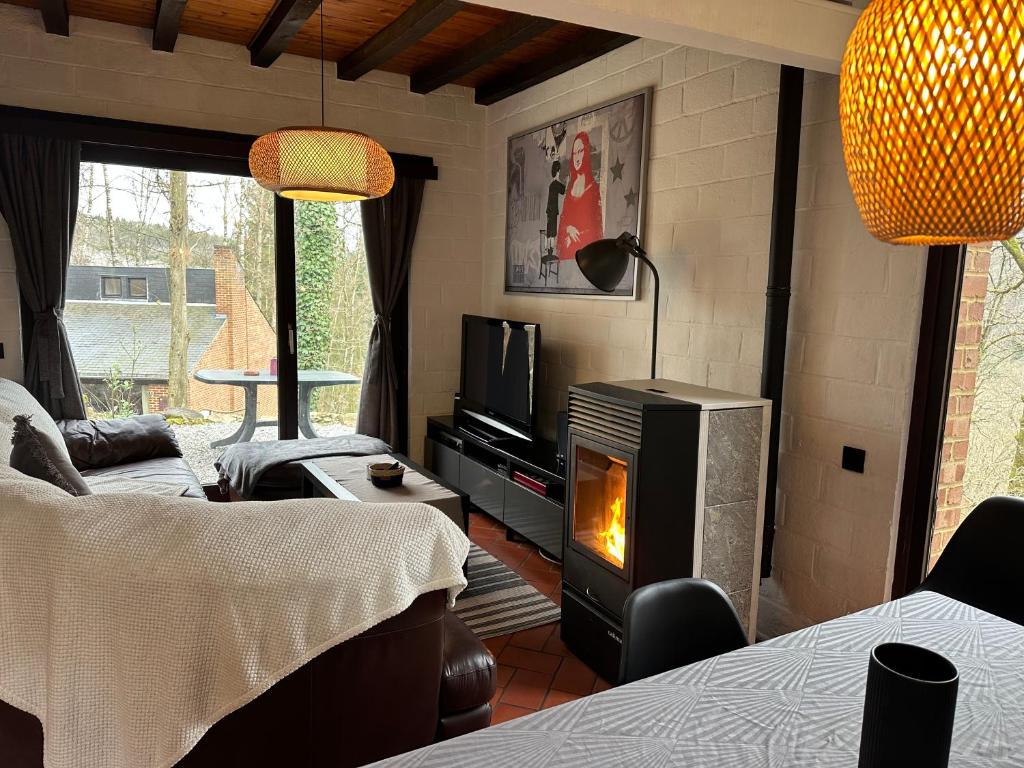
(308, 381)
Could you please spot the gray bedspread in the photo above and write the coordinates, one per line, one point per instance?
(242, 465)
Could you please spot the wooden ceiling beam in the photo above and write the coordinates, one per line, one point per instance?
(167, 23)
(595, 43)
(283, 22)
(417, 21)
(55, 16)
(517, 30)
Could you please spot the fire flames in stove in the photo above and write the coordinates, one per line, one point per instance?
(614, 534)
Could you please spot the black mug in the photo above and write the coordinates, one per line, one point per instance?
(908, 708)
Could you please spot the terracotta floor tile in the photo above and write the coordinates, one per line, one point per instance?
(554, 644)
(574, 677)
(527, 689)
(496, 644)
(535, 661)
(504, 674)
(505, 712)
(602, 685)
(554, 698)
(533, 639)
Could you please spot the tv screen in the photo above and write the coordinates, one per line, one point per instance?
(499, 359)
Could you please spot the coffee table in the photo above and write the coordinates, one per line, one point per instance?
(344, 477)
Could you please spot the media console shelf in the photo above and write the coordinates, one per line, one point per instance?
(484, 469)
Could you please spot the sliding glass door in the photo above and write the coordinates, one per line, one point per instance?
(334, 315)
(171, 304)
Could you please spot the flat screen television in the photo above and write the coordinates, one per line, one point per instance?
(499, 366)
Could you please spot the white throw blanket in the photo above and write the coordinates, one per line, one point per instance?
(129, 624)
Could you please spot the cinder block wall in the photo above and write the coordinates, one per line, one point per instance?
(854, 316)
(709, 199)
(110, 70)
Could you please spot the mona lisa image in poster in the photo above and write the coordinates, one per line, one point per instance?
(570, 183)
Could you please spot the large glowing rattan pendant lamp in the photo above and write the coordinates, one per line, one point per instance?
(321, 163)
(931, 106)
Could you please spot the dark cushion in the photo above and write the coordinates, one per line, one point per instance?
(169, 470)
(35, 453)
(469, 674)
(94, 444)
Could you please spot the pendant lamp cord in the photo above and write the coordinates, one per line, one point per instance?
(323, 121)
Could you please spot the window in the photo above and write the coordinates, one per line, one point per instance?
(195, 333)
(110, 287)
(138, 288)
(983, 440)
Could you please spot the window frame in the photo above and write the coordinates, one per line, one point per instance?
(104, 295)
(124, 142)
(145, 283)
(936, 343)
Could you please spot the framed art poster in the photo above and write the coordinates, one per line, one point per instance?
(577, 180)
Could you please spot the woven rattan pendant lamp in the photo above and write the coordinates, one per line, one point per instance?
(321, 163)
(931, 103)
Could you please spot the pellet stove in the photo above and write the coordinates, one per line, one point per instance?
(665, 480)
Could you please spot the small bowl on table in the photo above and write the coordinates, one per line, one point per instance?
(385, 474)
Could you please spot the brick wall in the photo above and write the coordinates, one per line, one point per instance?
(949, 500)
(110, 70)
(854, 315)
(246, 341)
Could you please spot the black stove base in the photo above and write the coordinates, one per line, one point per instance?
(593, 637)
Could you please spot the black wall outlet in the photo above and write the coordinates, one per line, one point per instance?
(853, 459)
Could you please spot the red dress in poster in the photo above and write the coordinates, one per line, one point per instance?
(581, 222)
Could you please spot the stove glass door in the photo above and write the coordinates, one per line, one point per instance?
(599, 507)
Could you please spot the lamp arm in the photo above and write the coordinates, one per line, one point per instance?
(641, 255)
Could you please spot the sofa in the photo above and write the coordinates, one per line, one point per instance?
(416, 678)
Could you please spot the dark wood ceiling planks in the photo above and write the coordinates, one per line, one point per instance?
(432, 41)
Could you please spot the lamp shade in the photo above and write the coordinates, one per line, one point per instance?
(604, 263)
(930, 105)
(317, 163)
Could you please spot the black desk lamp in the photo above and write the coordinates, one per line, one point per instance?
(604, 263)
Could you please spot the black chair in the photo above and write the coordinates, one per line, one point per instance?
(674, 623)
(982, 565)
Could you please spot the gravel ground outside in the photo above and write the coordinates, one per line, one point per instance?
(195, 442)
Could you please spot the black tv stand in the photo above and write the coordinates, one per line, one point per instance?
(481, 434)
(485, 467)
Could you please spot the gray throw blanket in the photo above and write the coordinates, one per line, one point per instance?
(242, 465)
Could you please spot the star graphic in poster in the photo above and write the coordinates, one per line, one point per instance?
(617, 167)
(631, 197)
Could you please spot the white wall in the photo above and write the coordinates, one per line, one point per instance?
(854, 314)
(110, 70)
(854, 323)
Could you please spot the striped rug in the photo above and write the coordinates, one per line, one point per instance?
(498, 601)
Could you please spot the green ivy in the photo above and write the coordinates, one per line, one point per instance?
(316, 245)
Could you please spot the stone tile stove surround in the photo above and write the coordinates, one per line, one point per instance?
(665, 480)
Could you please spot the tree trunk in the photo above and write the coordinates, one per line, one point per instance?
(1016, 484)
(111, 241)
(177, 363)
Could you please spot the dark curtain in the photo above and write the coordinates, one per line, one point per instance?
(389, 229)
(39, 201)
